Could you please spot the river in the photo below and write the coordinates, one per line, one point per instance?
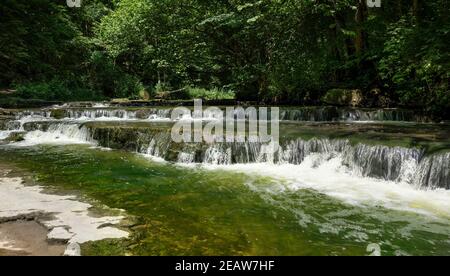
(345, 180)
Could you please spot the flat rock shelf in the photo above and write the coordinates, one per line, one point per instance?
(26, 212)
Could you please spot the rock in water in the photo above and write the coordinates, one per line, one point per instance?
(60, 234)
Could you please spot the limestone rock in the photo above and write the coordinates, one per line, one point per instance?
(142, 114)
(59, 234)
(55, 212)
(58, 113)
(15, 137)
(120, 101)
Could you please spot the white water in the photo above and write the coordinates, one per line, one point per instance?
(325, 167)
(329, 177)
(100, 105)
(107, 115)
(317, 165)
(395, 164)
(57, 134)
(5, 134)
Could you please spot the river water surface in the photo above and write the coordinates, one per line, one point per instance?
(338, 188)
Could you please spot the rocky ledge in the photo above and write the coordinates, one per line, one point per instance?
(67, 220)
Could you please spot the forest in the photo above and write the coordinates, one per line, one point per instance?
(224, 128)
(291, 52)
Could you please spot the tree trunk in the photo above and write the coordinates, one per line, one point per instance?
(399, 9)
(348, 47)
(416, 9)
(361, 35)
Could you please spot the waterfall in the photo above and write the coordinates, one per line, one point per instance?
(158, 146)
(434, 172)
(218, 155)
(37, 114)
(397, 164)
(383, 162)
(389, 163)
(61, 133)
(100, 113)
(4, 134)
(12, 125)
(118, 114)
(335, 114)
(296, 151)
(186, 158)
(94, 114)
(310, 114)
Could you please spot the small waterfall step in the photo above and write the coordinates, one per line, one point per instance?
(304, 114)
(398, 152)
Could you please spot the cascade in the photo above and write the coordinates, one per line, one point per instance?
(398, 164)
(310, 114)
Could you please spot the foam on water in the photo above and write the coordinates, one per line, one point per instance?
(100, 105)
(60, 134)
(328, 176)
(324, 172)
(5, 134)
(329, 167)
(101, 114)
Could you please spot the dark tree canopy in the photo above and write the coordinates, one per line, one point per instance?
(273, 51)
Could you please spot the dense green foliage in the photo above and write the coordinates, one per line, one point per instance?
(276, 51)
(49, 51)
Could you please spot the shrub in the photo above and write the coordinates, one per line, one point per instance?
(211, 94)
(56, 89)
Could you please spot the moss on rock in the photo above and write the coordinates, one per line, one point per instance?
(16, 137)
(58, 114)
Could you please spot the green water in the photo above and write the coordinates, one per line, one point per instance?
(192, 211)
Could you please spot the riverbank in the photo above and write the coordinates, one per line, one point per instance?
(33, 222)
(27, 238)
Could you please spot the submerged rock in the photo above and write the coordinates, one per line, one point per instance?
(16, 137)
(58, 113)
(143, 114)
